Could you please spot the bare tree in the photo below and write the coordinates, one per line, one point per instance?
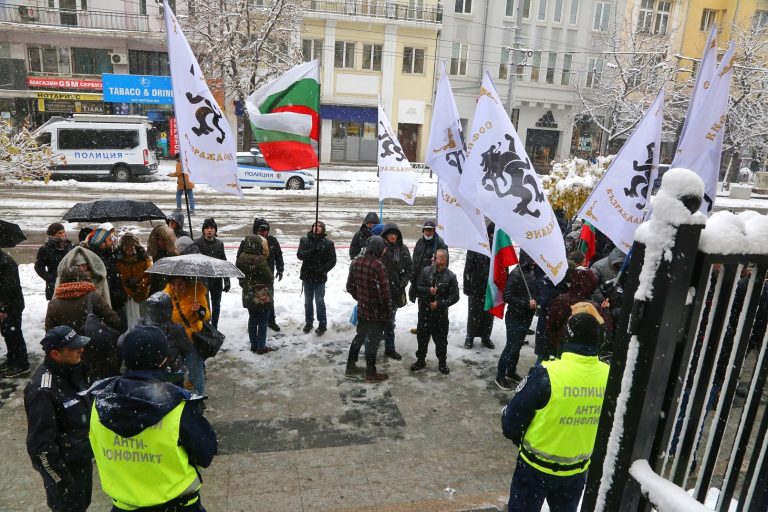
(22, 157)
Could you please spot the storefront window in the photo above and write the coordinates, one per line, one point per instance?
(90, 61)
(353, 141)
(48, 60)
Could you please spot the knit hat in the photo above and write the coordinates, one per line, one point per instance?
(62, 337)
(54, 228)
(83, 234)
(259, 223)
(210, 223)
(428, 224)
(584, 329)
(375, 245)
(145, 348)
(106, 225)
(378, 229)
(98, 237)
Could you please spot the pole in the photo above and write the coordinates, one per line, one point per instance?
(186, 199)
(522, 274)
(317, 194)
(515, 59)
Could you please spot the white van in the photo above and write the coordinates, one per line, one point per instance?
(101, 145)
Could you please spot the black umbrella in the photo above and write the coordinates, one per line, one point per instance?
(10, 234)
(113, 209)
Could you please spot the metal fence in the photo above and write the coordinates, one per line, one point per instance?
(385, 9)
(106, 20)
(696, 404)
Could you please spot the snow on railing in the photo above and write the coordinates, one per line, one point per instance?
(663, 494)
(727, 233)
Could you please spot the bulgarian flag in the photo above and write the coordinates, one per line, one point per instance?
(587, 240)
(285, 117)
(503, 256)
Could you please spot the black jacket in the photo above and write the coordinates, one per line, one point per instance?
(516, 296)
(476, 269)
(447, 289)
(397, 261)
(11, 296)
(214, 249)
(57, 420)
(116, 293)
(423, 252)
(139, 399)
(318, 256)
(49, 255)
(359, 240)
(158, 314)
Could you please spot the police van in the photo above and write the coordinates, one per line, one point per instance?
(120, 147)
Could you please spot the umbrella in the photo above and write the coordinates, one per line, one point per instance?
(114, 209)
(195, 265)
(10, 234)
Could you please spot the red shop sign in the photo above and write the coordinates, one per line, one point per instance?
(173, 136)
(64, 83)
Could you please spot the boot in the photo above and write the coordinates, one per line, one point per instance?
(352, 371)
(393, 354)
(418, 365)
(469, 342)
(487, 343)
(443, 368)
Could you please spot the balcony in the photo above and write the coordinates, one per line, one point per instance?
(48, 16)
(380, 9)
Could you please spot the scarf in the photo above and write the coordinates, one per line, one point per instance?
(74, 290)
(60, 243)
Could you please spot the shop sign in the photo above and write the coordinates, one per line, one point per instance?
(64, 83)
(173, 139)
(147, 89)
(70, 106)
(68, 96)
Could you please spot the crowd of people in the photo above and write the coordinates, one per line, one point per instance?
(79, 396)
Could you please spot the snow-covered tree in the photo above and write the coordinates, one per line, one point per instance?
(569, 183)
(22, 157)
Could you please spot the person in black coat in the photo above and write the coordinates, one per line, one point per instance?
(479, 321)
(11, 308)
(425, 249)
(274, 260)
(102, 242)
(318, 256)
(397, 261)
(362, 235)
(50, 254)
(210, 245)
(57, 422)
(438, 290)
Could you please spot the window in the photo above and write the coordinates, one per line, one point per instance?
(760, 19)
(48, 59)
(551, 63)
(535, 65)
(90, 61)
(510, 9)
(573, 17)
(344, 55)
(44, 139)
(565, 79)
(372, 57)
(80, 138)
(143, 8)
(83, 5)
(542, 15)
(602, 15)
(459, 53)
(5, 50)
(413, 60)
(594, 72)
(415, 10)
(312, 49)
(654, 16)
(557, 17)
(148, 63)
(464, 6)
(646, 16)
(504, 64)
(708, 17)
(526, 8)
(662, 17)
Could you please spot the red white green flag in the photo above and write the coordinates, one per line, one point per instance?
(587, 241)
(503, 256)
(285, 118)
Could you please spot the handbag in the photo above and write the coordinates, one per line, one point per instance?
(207, 340)
(261, 296)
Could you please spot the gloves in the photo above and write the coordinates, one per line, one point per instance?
(227, 285)
(279, 276)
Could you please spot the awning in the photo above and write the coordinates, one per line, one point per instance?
(349, 113)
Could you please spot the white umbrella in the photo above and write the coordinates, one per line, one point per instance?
(194, 265)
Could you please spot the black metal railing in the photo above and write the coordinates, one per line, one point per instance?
(106, 20)
(383, 9)
(693, 411)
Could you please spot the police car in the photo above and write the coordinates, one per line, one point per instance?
(253, 171)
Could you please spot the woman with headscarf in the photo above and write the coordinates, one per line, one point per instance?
(132, 261)
(190, 309)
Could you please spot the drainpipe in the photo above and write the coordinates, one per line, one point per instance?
(485, 34)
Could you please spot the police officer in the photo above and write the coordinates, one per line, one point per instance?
(553, 419)
(57, 422)
(149, 436)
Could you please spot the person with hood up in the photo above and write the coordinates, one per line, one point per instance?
(554, 442)
(183, 181)
(57, 422)
(438, 290)
(50, 255)
(160, 244)
(11, 309)
(158, 313)
(210, 245)
(175, 221)
(368, 283)
(91, 265)
(397, 261)
(520, 310)
(257, 289)
(185, 245)
(423, 253)
(582, 284)
(318, 256)
(132, 261)
(102, 242)
(479, 321)
(162, 434)
(275, 262)
(361, 237)
(606, 270)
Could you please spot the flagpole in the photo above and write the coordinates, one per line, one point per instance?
(381, 203)
(319, 136)
(522, 274)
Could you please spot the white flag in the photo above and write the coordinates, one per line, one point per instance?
(459, 222)
(498, 175)
(206, 142)
(702, 147)
(617, 204)
(706, 71)
(397, 179)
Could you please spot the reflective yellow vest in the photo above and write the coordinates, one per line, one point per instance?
(147, 469)
(561, 436)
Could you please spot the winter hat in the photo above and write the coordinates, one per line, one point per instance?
(62, 337)
(378, 229)
(584, 329)
(83, 234)
(589, 308)
(371, 218)
(183, 243)
(98, 237)
(259, 223)
(375, 245)
(210, 223)
(54, 228)
(106, 225)
(428, 224)
(145, 348)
